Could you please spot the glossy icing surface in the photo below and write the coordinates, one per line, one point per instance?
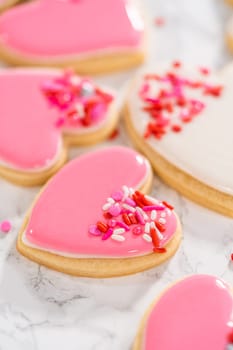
(29, 136)
(193, 314)
(203, 148)
(73, 201)
(35, 28)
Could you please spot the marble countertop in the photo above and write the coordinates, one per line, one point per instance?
(41, 309)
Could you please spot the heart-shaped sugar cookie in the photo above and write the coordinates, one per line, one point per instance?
(181, 119)
(37, 108)
(195, 313)
(90, 36)
(91, 220)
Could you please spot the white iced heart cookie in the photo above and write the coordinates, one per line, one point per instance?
(181, 119)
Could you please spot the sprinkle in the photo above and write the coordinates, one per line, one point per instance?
(118, 238)
(114, 134)
(162, 221)
(154, 237)
(5, 226)
(176, 128)
(153, 207)
(232, 256)
(112, 223)
(130, 201)
(115, 209)
(137, 230)
(126, 192)
(107, 234)
(119, 231)
(151, 199)
(159, 250)
(110, 200)
(153, 215)
(128, 207)
(123, 225)
(106, 206)
(147, 238)
(176, 64)
(159, 21)
(204, 71)
(93, 230)
(132, 218)
(117, 196)
(147, 227)
(169, 206)
(171, 102)
(102, 227)
(78, 100)
(139, 216)
(126, 219)
(160, 226)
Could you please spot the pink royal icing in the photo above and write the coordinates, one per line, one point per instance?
(29, 137)
(193, 314)
(62, 217)
(56, 28)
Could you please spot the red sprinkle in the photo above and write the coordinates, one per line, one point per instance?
(114, 134)
(169, 206)
(232, 256)
(176, 128)
(102, 227)
(126, 219)
(132, 218)
(204, 70)
(154, 236)
(176, 64)
(159, 250)
(159, 21)
(160, 226)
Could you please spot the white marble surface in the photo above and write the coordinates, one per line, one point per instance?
(42, 309)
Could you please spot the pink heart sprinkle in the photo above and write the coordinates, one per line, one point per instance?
(5, 226)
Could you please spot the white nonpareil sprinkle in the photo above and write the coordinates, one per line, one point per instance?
(126, 192)
(162, 221)
(146, 237)
(152, 200)
(110, 200)
(119, 231)
(153, 215)
(106, 206)
(131, 191)
(169, 213)
(159, 234)
(118, 238)
(128, 207)
(147, 227)
(152, 225)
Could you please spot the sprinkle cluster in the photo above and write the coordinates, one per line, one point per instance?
(129, 210)
(78, 100)
(170, 106)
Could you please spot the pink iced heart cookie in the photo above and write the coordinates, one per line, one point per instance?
(181, 119)
(37, 108)
(195, 313)
(92, 220)
(90, 36)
